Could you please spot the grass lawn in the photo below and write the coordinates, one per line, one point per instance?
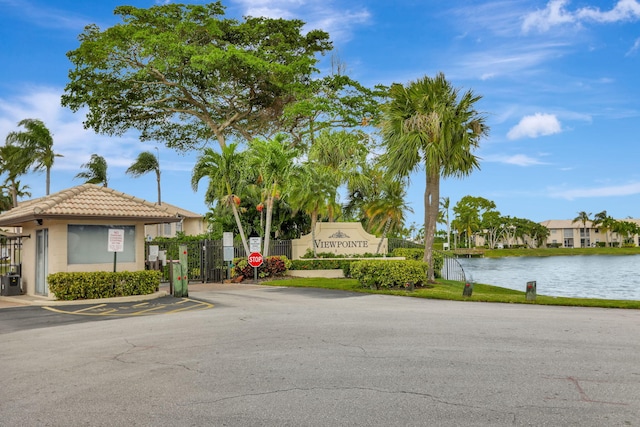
(450, 290)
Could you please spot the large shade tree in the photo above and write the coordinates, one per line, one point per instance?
(184, 74)
(37, 141)
(428, 124)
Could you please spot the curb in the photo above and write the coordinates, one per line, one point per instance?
(21, 300)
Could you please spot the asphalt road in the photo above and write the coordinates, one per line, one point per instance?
(301, 357)
(14, 319)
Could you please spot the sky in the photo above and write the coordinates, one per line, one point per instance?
(559, 80)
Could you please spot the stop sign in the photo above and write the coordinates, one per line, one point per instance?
(255, 259)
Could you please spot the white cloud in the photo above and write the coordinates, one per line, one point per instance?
(610, 191)
(534, 126)
(556, 13)
(517, 160)
(624, 10)
(508, 59)
(553, 14)
(634, 48)
(71, 139)
(318, 14)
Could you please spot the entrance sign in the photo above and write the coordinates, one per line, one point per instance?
(255, 259)
(340, 238)
(116, 240)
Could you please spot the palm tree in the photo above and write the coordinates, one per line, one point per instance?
(38, 142)
(388, 209)
(312, 191)
(145, 163)
(15, 161)
(603, 223)
(344, 155)
(582, 217)
(273, 161)
(225, 174)
(444, 219)
(6, 200)
(428, 125)
(96, 171)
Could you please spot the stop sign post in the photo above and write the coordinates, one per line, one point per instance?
(255, 260)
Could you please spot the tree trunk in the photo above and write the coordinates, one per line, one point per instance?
(267, 227)
(384, 234)
(314, 221)
(48, 181)
(431, 205)
(234, 208)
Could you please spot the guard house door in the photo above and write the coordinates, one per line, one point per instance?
(42, 261)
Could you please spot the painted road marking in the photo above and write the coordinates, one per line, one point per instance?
(90, 308)
(140, 309)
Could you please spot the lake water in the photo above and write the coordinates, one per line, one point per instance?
(591, 276)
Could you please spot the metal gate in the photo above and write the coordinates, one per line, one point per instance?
(205, 258)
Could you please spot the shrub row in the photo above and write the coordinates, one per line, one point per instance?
(103, 284)
(389, 274)
(272, 266)
(418, 255)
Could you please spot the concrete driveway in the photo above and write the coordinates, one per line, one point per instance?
(268, 356)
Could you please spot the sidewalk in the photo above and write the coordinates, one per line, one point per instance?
(36, 300)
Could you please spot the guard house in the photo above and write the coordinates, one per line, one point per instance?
(68, 232)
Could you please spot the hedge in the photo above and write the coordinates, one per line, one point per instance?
(418, 255)
(103, 284)
(389, 274)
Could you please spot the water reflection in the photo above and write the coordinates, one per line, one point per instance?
(589, 276)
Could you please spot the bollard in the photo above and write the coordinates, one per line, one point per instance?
(468, 289)
(185, 270)
(176, 279)
(531, 291)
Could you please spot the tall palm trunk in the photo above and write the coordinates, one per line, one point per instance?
(431, 203)
(267, 227)
(48, 181)
(234, 208)
(314, 221)
(387, 225)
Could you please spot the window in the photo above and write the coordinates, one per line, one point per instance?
(179, 226)
(88, 244)
(167, 230)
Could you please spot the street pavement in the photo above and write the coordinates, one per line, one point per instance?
(274, 356)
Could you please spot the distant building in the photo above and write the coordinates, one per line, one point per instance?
(191, 224)
(565, 233)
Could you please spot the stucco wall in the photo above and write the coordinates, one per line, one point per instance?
(57, 253)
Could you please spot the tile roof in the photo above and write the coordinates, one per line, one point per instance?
(88, 201)
(178, 210)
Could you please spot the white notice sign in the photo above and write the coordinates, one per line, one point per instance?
(254, 244)
(116, 240)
